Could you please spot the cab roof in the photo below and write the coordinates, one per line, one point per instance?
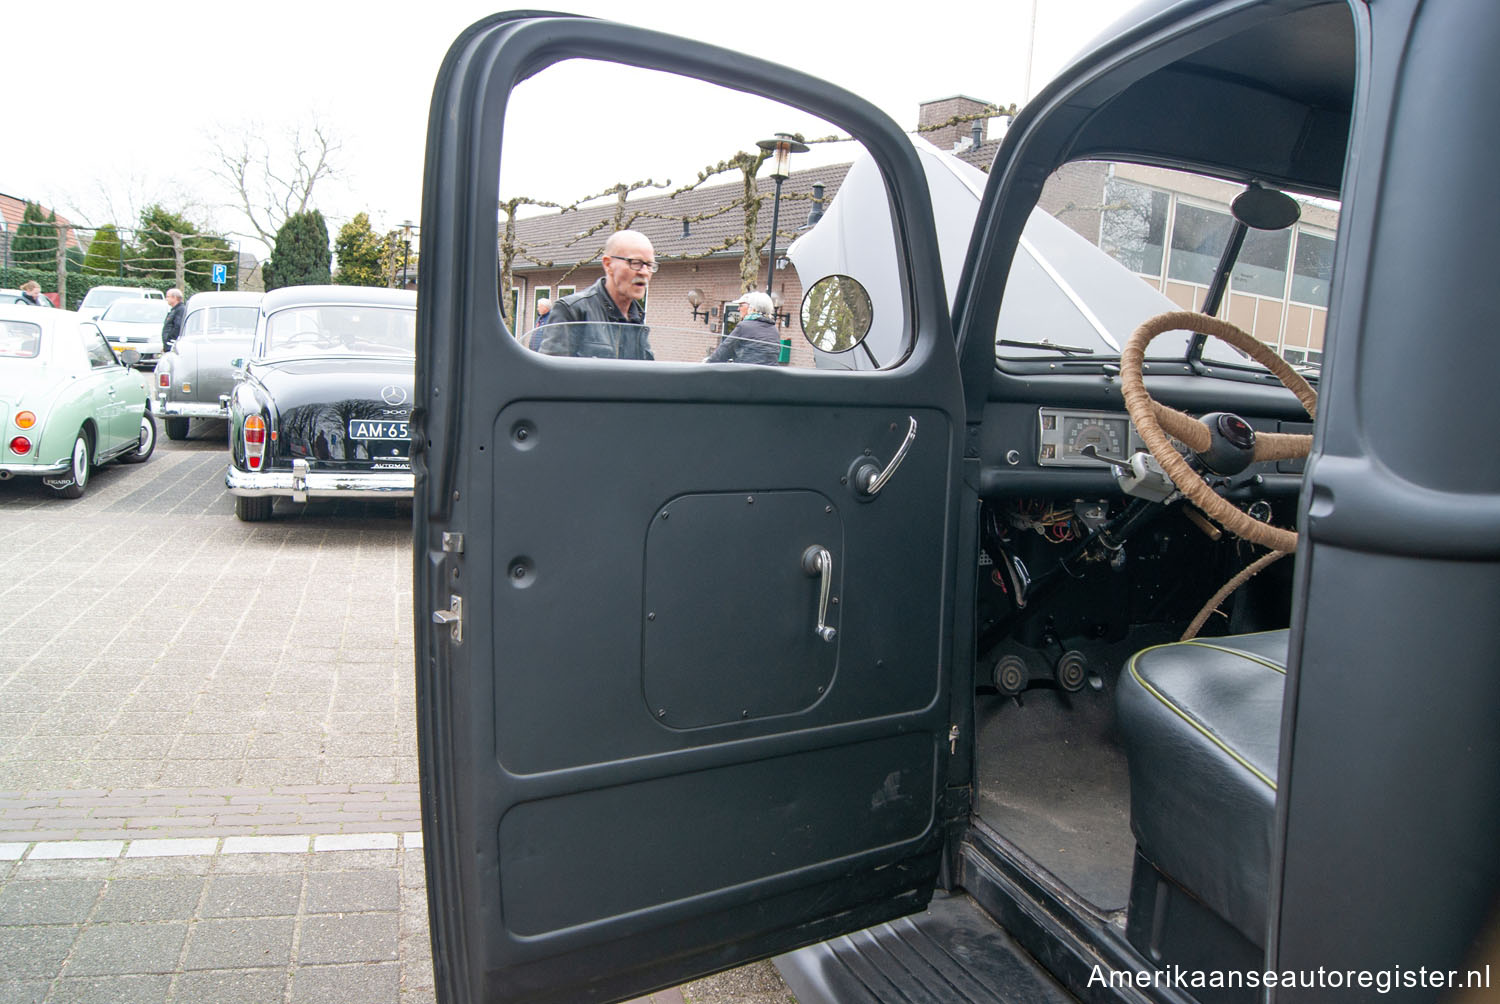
(1262, 94)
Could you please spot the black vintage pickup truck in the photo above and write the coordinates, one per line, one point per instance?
(988, 630)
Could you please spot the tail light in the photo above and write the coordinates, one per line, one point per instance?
(25, 419)
(163, 379)
(255, 441)
(20, 446)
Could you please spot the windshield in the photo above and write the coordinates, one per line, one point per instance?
(341, 329)
(100, 297)
(1162, 234)
(135, 311)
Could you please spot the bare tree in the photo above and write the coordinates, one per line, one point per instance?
(271, 183)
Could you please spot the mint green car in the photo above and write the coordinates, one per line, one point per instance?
(68, 403)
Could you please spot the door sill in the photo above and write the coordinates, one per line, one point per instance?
(952, 952)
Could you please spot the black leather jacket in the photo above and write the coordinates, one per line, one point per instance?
(171, 325)
(589, 324)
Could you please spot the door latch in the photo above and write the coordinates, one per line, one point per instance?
(453, 617)
(868, 478)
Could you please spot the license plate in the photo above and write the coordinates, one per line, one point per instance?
(369, 428)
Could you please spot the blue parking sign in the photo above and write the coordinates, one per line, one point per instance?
(220, 274)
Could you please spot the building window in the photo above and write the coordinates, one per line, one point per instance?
(1198, 239)
(1261, 266)
(1312, 269)
(539, 294)
(1133, 226)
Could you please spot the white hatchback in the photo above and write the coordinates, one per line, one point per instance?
(100, 297)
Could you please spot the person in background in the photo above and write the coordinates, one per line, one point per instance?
(31, 293)
(614, 321)
(171, 325)
(754, 338)
(543, 311)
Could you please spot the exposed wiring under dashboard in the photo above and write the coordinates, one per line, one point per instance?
(1053, 522)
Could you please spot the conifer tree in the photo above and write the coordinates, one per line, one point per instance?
(301, 256)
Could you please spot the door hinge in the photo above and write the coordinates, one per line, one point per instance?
(453, 617)
(453, 543)
(952, 739)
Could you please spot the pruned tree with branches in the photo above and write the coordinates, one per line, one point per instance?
(272, 184)
(752, 245)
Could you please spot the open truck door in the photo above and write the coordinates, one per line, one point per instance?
(683, 664)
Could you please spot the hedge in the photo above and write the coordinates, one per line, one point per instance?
(80, 284)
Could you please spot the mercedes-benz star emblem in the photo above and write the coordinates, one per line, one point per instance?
(391, 394)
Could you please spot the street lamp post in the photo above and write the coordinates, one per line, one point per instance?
(406, 226)
(781, 148)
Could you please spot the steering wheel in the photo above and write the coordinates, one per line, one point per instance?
(1155, 422)
(322, 339)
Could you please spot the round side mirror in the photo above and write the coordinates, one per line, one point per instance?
(129, 357)
(836, 313)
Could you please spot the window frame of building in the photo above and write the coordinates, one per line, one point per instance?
(538, 293)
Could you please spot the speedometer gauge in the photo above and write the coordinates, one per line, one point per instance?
(1105, 435)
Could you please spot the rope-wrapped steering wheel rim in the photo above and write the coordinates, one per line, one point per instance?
(1156, 422)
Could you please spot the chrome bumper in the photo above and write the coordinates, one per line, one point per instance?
(7, 471)
(301, 484)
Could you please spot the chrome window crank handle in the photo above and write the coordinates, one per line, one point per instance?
(817, 561)
(870, 479)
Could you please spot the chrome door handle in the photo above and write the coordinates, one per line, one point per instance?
(817, 561)
(869, 479)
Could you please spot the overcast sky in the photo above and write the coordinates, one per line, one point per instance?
(123, 99)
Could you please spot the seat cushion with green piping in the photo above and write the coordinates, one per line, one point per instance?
(1201, 724)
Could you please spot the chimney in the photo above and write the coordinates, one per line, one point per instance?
(950, 137)
(817, 206)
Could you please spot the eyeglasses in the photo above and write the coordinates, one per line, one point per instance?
(639, 264)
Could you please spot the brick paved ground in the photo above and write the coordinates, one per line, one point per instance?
(168, 673)
(343, 927)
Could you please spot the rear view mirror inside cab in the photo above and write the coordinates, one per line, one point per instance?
(728, 210)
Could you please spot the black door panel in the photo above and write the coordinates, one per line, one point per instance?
(583, 673)
(721, 833)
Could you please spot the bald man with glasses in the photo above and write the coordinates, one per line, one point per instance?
(607, 321)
